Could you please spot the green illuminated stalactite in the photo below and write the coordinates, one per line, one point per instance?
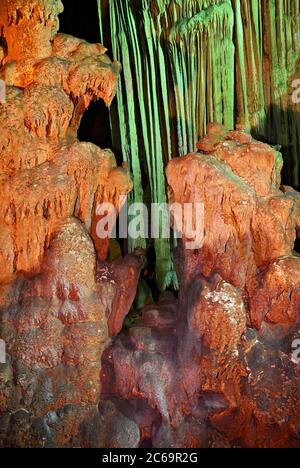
(267, 38)
(189, 62)
(201, 46)
(101, 23)
(143, 111)
(127, 112)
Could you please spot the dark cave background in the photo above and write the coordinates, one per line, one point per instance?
(82, 22)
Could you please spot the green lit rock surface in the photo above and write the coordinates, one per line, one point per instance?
(190, 62)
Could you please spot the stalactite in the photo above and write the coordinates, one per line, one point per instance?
(143, 110)
(267, 36)
(202, 58)
(190, 62)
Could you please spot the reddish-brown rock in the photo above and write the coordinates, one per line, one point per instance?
(217, 367)
(56, 311)
(248, 221)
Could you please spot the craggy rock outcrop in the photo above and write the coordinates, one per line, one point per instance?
(215, 367)
(56, 310)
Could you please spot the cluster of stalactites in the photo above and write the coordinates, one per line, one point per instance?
(189, 63)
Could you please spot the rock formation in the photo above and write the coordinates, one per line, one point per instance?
(215, 367)
(57, 304)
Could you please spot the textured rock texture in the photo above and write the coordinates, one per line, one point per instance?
(57, 306)
(214, 368)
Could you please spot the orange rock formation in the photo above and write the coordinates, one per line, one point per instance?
(54, 303)
(215, 368)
